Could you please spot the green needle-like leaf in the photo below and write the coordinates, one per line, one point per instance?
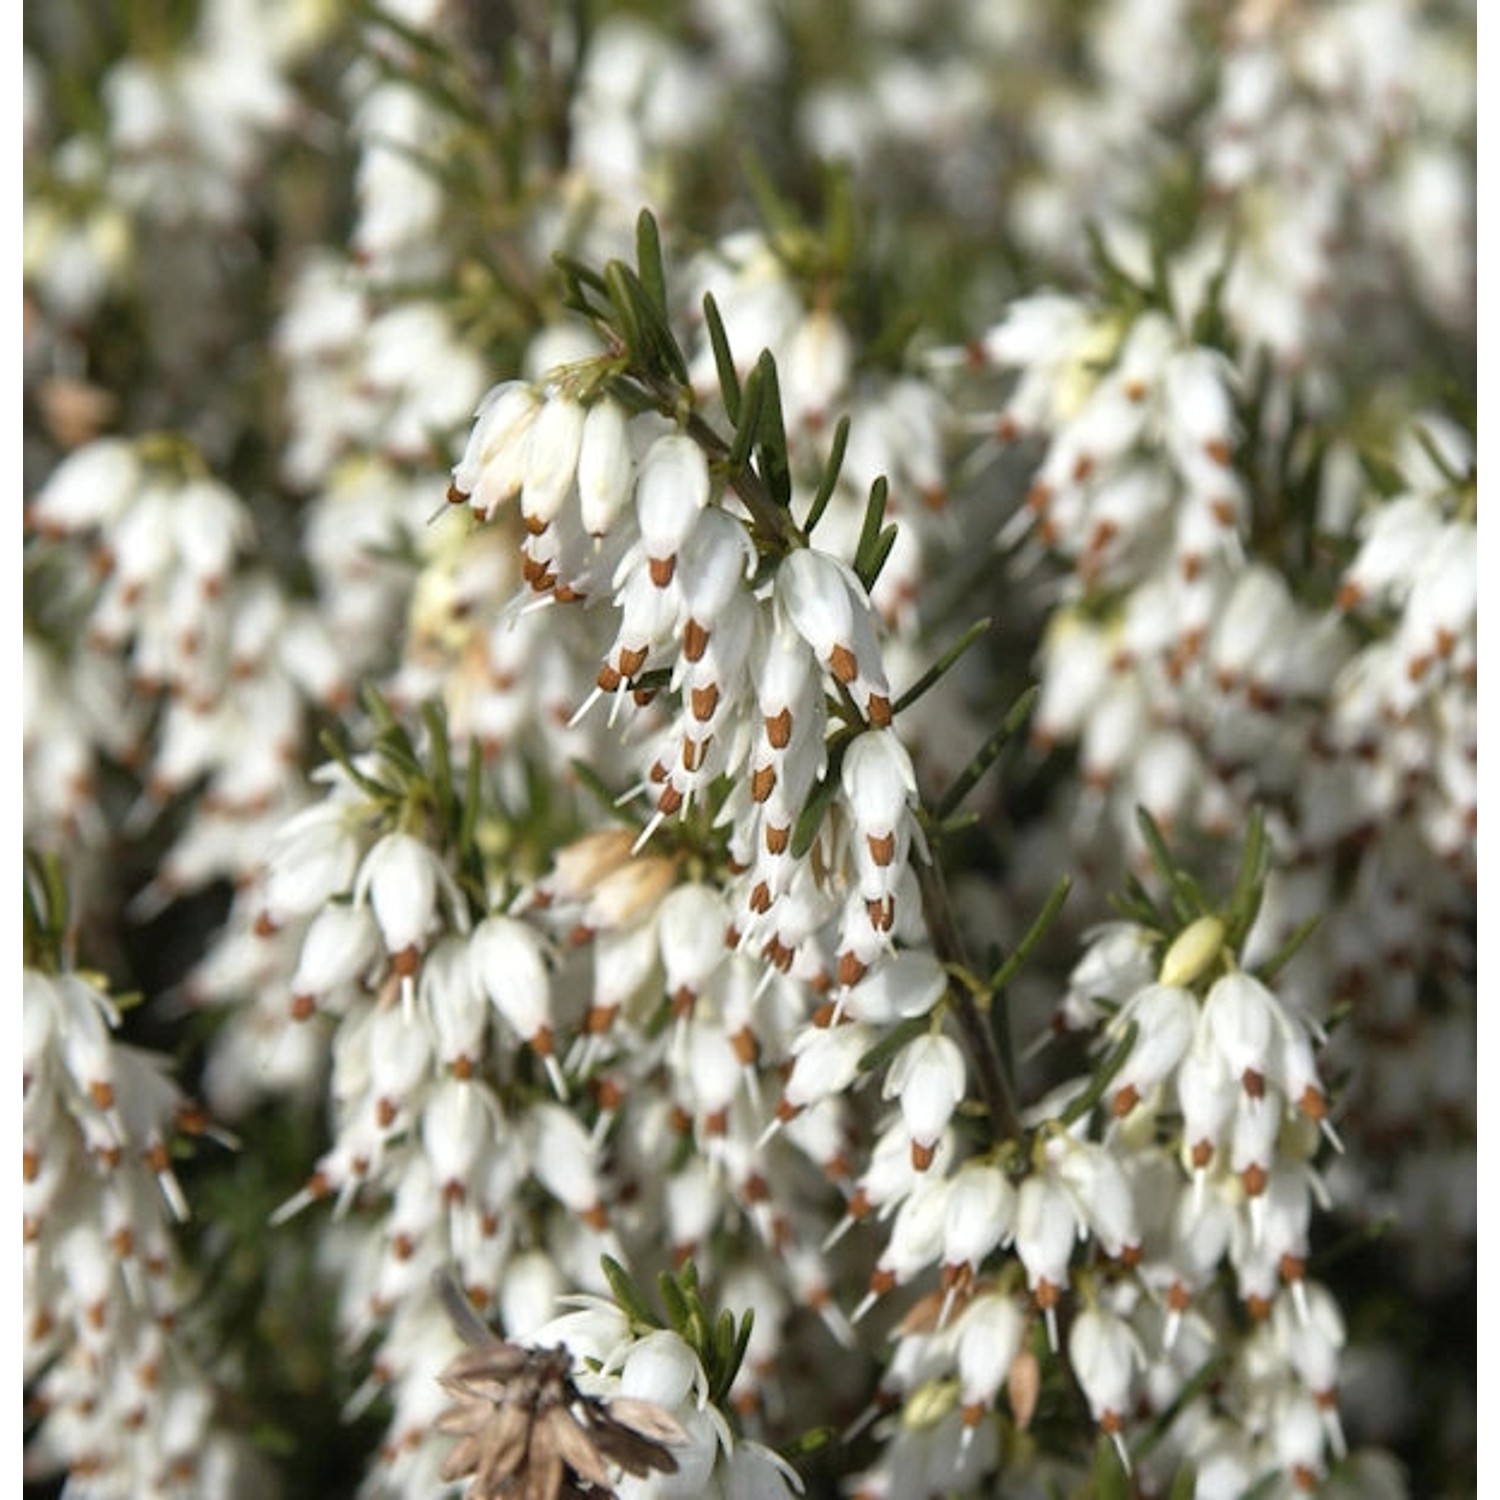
(942, 666)
(829, 482)
(986, 756)
(729, 380)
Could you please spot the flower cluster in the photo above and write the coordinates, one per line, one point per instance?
(781, 701)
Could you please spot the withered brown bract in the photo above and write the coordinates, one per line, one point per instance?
(525, 1430)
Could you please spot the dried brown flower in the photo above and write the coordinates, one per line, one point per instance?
(525, 1430)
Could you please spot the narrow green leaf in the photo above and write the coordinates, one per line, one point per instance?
(829, 481)
(1199, 1382)
(1008, 970)
(631, 1299)
(942, 666)
(1249, 883)
(772, 207)
(679, 1314)
(618, 279)
(752, 397)
(770, 454)
(1288, 950)
(986, 756)
(892, 1042)
(1111, 1482)
(729, 380)
(876, 561)
(649, 261)
(869, 531)
(469, 814)
(810, 819)
(367, 784)
(1104, 1075)
(1184, 1482)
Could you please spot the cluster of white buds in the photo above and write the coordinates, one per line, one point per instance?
(120, 1401)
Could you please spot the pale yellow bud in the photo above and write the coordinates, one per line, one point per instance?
(1193, 950)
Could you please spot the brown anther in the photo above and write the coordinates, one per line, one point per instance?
(692, 753)
(779, 729)
(694, 641)
(630, 662)
(1253, 1083)
(851, 969)
(1046, 1294)
(102, 1093)
(122, 1242)
(882, 914)
(1313, 1103)
(684, 999)
(1130, 1256)
(303, 1007)
(842, 664)
(1124, 1101)
(657, 774)
(670, 800)
(882, 849)
(1218, 450)
(595, 1217)
(761, 783)
(1136, 390)
(859, 1206)
(1445, 642)
(538, 574)
(609, 1093)
(1110, 1423)
(1254, 1179)
(704, 701)
(746, 1048)
(1202, 1155)
(680, 1121)
(778, 839)
(760, 898)
(1178, 1297)
(31, 1165)
(266, 926)
(403, 1246)
(462, 1068)
(822, 1017)
(386, 1111)
(878, 711)
(717, 1123)
(534, 524)
(777, 954)
(882, 1280)
(608, 679)
(786, 1110)
(661, 570)
(541, 1041)
(565, 593)
(599, 1019)
(1292, 1268)
(407, 961)
(1038, 498)
(1083, 466)
(921, 1155)
(157, 1158)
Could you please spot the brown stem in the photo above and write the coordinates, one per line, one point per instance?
(974, 1024)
